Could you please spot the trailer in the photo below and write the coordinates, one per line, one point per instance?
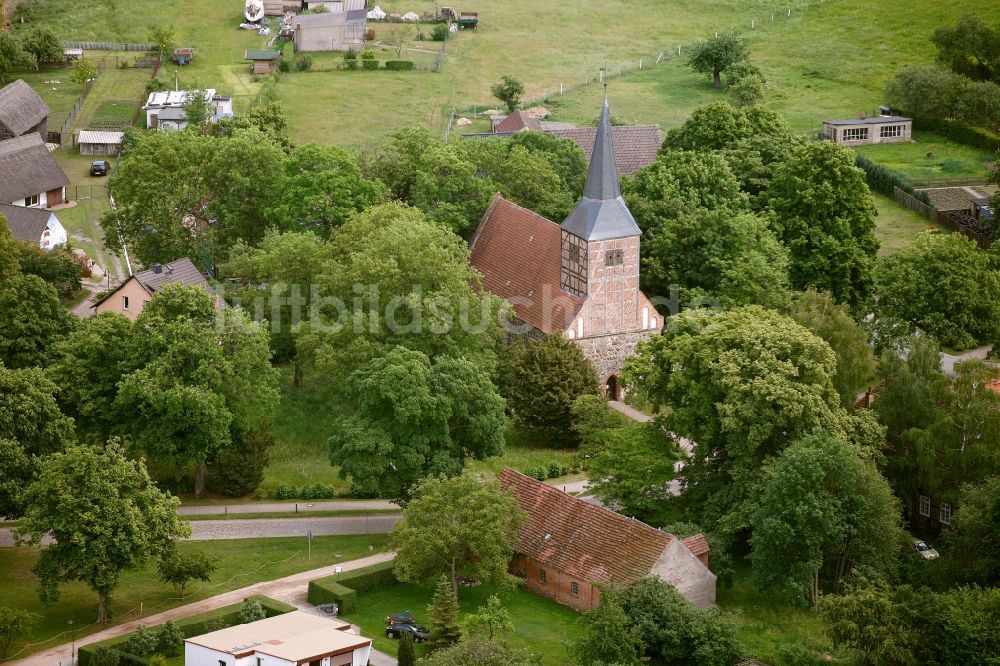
(183, 56)
(468, 20)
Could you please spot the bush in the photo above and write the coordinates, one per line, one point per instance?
(141, 643)
(155, 85)
(102, 657)
(169, 639)
(284, 67)
(351, 59)
(239, 469)
(440, 32)
(344, 588)
(304, 63)
(399, 65)
(554, 470)
(368, 60)
(251, 611)
(974, 137)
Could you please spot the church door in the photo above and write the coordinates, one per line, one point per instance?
(613, 388)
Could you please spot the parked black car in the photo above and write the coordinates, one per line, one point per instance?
(100, 168)
(418, 632)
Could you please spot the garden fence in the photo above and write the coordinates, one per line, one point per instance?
(110, 46)
(67, 127)
(940, 217)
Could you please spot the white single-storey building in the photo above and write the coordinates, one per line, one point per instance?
(34, 225)
(292, 639)
(165, 109)
(878, 129)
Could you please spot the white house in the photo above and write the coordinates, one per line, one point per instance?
(34, 225)
(165, 109)
(292, 639)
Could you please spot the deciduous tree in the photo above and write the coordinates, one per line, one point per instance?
(971, 48)
(964, 307)
(83, 71)
(13, 56)
(508, 90)
(179, 569)
(457, 527)
(100, 498)
(974, 541)
(34, 320)
(14, 623)
(922, 90)
(477, 651)
(491, 618)
(43, 44)
(608, 635)
(717, 54)
(825, 214)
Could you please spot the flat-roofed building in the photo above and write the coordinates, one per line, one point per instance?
(860, 131)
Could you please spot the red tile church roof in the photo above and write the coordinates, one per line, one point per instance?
(583, 540)
(518, 253)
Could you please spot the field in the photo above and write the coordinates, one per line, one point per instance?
(240, 563)
(540, 625)
(931, 159)
(896, 225)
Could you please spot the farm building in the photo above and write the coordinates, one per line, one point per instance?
(165, 109)
(264, 62)
(130, 297)
(339, 29)
(35, 226)
(568, 546)
(94, 142)
(878, 129)
(291, 639)
(31, 176)
(281, 7)
(579, 279)
(22, 112)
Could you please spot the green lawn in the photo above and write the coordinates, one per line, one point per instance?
(540, 625)
(53, 86)
(241, 562)
(948, 161)
(766, 621)
(897, 225)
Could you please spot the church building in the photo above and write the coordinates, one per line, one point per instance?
(579, 279)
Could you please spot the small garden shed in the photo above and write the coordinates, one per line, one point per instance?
(94, 142)
(264, 62)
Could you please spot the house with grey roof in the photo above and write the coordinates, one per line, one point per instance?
(34, 225)
(29, 175)
(861, 131)
(165, 108)
(130, 297)
(22, 112)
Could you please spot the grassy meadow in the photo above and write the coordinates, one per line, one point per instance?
(240, 562)
(929, 158)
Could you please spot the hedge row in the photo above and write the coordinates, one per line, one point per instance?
(399, 65)
(343, 589)
(975, 137)
(195, 625)
(883, 180)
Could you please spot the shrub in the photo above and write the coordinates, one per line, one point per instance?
(399, 65)
(368, 60)
(141, 642)
(102, 657)
(554, 470)
(344, 588)
(351, 59)
(440, 32)
(974, 137)
(284, 67)
(304, 63)
(251, 611)
(155, 85)
(169, 639)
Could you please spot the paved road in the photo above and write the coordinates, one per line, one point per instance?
(948, 361)
(209, 530)
(630, 412)
(290, 589)
(301, 506)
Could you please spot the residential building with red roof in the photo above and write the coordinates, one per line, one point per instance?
(579, 279)
(568, 546)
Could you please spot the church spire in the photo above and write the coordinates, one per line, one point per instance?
(601, 213)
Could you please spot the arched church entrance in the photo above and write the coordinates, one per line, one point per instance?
(612, 387)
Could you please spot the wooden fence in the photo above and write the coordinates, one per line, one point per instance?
(942, 218)
(110, 46)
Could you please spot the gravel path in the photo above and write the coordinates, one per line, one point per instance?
(209, 530)
(290, 589)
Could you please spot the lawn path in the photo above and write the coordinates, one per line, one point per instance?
(290, 589)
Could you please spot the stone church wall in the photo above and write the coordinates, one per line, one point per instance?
(608, 352)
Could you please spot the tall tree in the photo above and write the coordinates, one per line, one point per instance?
(964, 314)
(14, 622)
(742, 385)
(822, 511)
(100, 498)
(716, 54)
(180, 569)
(413, 417)
(974, 543)
(491, 618)
(34, 320)
(922, 90)
(457, 527)
(871, 622)
(540, 379)
(444, 630)
(608, 637)
(405, 654)
(825, 214)
(43, 44)
(474, 650)
(12, 56)
(322, 187)
(817, 311)
(971, 48)
(508, 90)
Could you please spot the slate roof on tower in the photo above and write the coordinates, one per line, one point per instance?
(602, 214)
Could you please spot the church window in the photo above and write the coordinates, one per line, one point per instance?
(614, 257)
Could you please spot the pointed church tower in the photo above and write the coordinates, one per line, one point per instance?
(600, 246)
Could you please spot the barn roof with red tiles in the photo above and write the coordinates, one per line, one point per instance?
(697, 544)
(635, 145)
(517, 121)
(583, 540)
(518, 253)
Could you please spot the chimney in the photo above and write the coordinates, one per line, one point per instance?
(156, 268)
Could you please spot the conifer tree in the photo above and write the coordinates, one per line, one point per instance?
(443, 612)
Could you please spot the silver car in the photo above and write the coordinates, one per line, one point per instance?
(925, 550)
